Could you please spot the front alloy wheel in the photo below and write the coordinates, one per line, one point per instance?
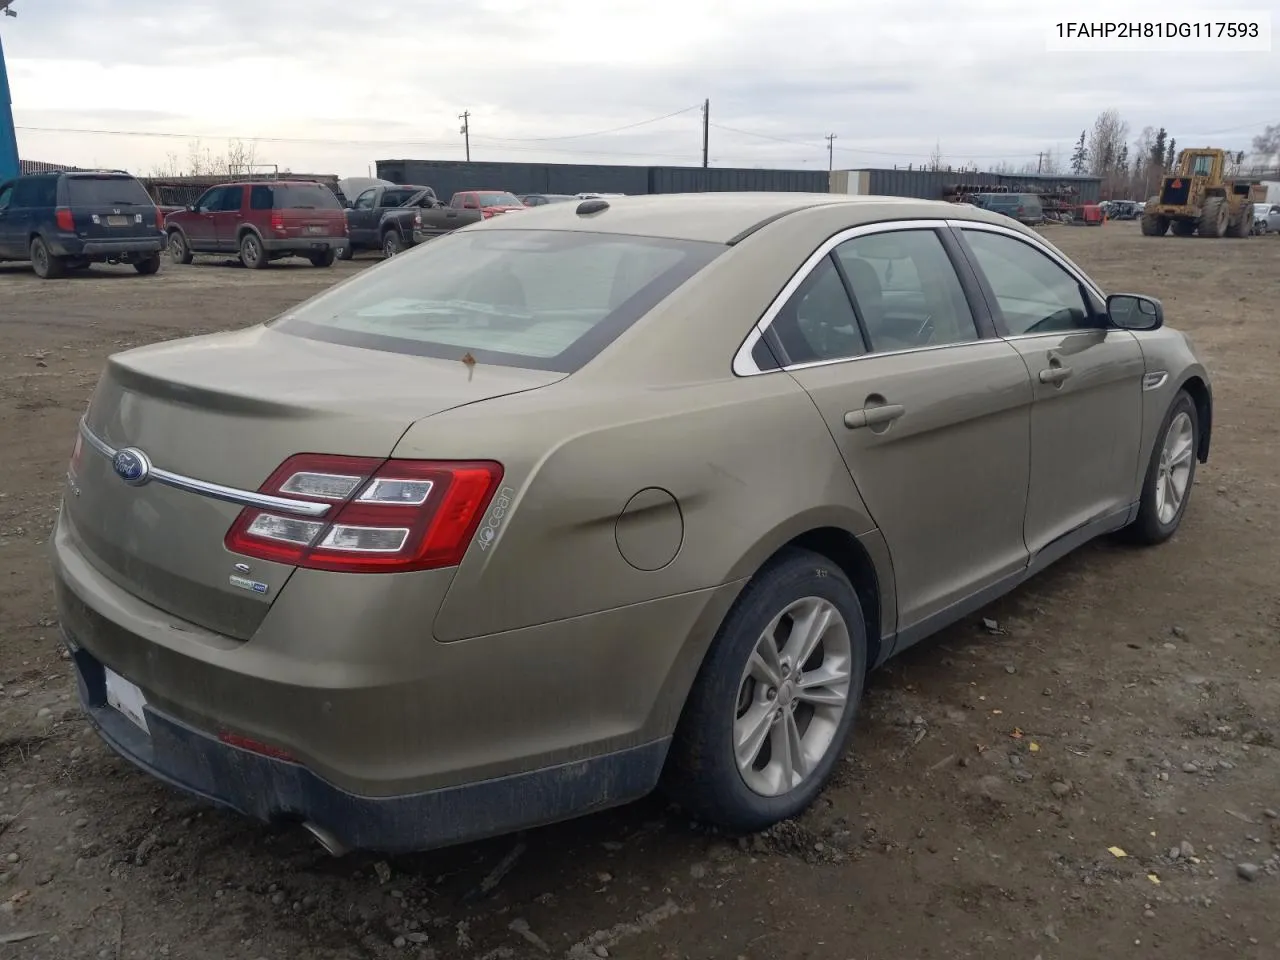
(1171, 473)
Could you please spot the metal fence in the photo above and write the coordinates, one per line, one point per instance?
(448, 177)
(184, 191)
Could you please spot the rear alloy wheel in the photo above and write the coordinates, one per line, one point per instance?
(179, 251)
(251, 253)
(391, 243)
(323, 259)
(773, 704)
(148, 266)
(44, 263)
(346, 252)
(1170, 474)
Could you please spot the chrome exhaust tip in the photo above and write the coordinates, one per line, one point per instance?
(331, 844)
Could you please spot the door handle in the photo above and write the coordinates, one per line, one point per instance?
(873, 416)
(1055, 374)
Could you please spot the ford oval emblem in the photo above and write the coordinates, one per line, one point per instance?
(132, 466)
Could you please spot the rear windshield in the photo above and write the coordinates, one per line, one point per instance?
(499, 200)
(304, 196)
(106, 191)
(547, 300)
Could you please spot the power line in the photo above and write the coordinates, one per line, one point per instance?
(600, 133)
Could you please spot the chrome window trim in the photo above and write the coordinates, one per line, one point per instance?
(215, 491)
(1036, 243)
(743, 363)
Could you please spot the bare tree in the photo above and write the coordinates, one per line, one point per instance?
(1049, 165)
(239, 157)
(1108, 150)
(935, 158)
(1266, 145)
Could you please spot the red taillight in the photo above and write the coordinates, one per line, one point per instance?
(159, 219)
(277, 221)
(385, 515)
(62, 216)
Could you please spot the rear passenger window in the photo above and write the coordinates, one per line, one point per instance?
(260, 198)
(818, 322)
(906, 290)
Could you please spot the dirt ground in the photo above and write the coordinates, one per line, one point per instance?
(1082, 775)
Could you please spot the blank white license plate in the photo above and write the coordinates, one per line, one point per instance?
(128, 699)
(315, 229)
(117, 221)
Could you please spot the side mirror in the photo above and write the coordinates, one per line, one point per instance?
(191, 208)
(1132, 311)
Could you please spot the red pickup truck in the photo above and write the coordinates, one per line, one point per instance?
(490, 203)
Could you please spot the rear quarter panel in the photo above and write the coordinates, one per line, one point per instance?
(744, 460)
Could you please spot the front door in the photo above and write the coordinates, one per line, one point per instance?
(199, 225)
(227, 218)
(1086, 422)
(930, 412)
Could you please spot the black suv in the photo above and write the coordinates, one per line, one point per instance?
(66, 221)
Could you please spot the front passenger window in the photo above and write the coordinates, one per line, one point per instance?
(1035, 295)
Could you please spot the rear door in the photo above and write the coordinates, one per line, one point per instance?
(930, 410)
(227, 216)
(109, 206)
(1086, 422)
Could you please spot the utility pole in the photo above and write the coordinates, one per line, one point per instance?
(706, 129)
(831, 151)
(9, 165)
(465, 117)
(1039, 161)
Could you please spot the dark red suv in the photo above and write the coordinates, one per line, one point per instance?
(261, 221)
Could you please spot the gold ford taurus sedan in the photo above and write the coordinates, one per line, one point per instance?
(617, 493)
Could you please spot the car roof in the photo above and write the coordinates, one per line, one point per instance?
(719, 217)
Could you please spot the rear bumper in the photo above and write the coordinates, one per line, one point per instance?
(132, 247)
(303, 245)
(274, 790)
(402, 742)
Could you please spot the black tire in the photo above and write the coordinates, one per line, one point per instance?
(702, 773)
(392, 243)
(1185, 228)
(1148, 529)
(149, 266)
(179, 249)
(1242, 226)
(1154, 225)
(323, 259)
(346, 252)
(45, 265)
(1213, 217)
(252, 254)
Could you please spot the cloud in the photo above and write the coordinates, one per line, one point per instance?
(324, 85)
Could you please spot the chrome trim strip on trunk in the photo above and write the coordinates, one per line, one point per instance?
(215, 491)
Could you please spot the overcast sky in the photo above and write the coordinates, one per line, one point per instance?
(330, 87)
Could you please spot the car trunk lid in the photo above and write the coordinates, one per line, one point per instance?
(227, 410)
